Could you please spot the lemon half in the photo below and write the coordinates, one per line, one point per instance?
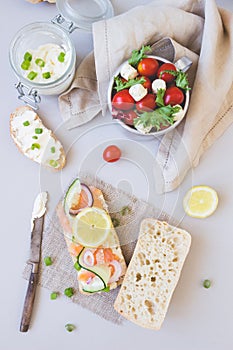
(91, 227)
(200, 201)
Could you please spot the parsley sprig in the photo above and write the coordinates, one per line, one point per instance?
(138, 55)
(121, 85)
(181, 78)
(162, 116)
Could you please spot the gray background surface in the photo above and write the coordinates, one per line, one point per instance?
(198, 319)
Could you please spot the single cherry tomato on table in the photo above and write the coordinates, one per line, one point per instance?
(129, 117)
(148, 67)
(147, 104)
(147, 84)
(166, 76)
(173, 96)
(123, 100)
(111, 154)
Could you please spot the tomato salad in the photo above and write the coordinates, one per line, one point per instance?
(148, 94)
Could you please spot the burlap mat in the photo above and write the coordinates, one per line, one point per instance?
(61, 274)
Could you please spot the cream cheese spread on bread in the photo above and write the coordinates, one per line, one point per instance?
(34, 139)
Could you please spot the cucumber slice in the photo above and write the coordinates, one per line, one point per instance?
(103, 272)
(96, 285)
(72, 193)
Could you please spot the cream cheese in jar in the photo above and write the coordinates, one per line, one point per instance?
(45, 64)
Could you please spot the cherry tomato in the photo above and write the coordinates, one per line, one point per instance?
(148, 67)
(111, 154)
(123, 100)
(129, 117)
(147, 104)
(147, 84)
(173, 96)
(166, 76)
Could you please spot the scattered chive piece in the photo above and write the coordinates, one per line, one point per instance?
(77, 266)
(73, 239)
(27, 56)
(38, 131)
(61, 57)
(107, 289)
(125, 210)
(206, 284)
(69, 292)
(70, 327)
(115, 222)
(25, 65)
(53, 163)
(46, 75)
(48, 261)
(32, 75)
(26, 123)
(35, 137)
(40, 62)
(35, 145)
(53, 149)
(53, 295)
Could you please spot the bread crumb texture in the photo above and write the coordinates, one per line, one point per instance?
(153, 273)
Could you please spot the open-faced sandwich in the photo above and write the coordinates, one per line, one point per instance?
(91, 239)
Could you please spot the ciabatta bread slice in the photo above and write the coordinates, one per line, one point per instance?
(34, 140)
(153, 273)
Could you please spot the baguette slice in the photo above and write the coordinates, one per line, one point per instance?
(108, 257)
(153, 273)
(34, 140)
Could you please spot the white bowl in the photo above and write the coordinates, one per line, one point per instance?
(133, 130)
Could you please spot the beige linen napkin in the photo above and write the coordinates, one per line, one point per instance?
(61, 274)
(199, 30)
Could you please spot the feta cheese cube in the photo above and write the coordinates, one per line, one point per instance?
(138, 91)
(128, 72)
(157, 85)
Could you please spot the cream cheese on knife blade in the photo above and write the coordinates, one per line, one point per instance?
(39, 207)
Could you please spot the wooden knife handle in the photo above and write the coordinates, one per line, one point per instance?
(28, 303)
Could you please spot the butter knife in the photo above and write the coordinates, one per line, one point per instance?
(37, 224)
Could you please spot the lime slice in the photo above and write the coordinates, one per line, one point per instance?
(91, 227)
(200, 201)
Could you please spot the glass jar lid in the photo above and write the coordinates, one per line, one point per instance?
(85, 12)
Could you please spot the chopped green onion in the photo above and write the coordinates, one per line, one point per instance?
(27, 56)
(38, 131)
(26, 123)
(40, 62)
(107, 289)
(206, 284)
(53, 149)
(35, 145)
(32, 75)
(53, 163)
(46, 75)
(70, 327)
(73, 239)
(69, 292)
(115, 222)
(61, 57)
(77, 266)
(35, 137)
(48, 261)
(25, 65)
(125, 210)
(53, 295)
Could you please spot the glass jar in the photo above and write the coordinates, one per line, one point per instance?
(74, 14)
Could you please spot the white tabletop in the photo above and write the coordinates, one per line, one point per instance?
(198, 318)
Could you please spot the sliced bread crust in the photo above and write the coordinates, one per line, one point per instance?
(153, 273)
(18, 112)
